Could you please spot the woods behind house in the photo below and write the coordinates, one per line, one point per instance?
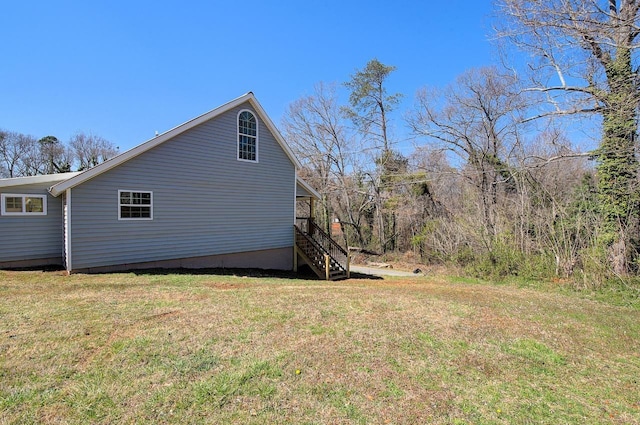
(25, 155)
(528, 168)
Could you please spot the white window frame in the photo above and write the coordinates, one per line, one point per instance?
(24, 197)
(120, 204)
(257, 136)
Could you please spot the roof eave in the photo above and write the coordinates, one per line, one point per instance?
(61, 187)
(43, 178)
(306, 186)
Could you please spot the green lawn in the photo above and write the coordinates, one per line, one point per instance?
(205, 348)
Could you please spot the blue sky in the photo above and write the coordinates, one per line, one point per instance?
(124, 69)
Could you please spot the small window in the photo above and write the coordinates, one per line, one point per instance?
(135, 205)
(247, 136)
(13, 204)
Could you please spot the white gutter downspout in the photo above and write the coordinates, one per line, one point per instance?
(295, 214)
(67, 231)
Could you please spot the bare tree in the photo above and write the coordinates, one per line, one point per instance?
(8, 159)
(90, 150)
(477, 119)
(425, 223)
(51, 157)
(556, 209)
(24, 155)
(314, 127)
(586, 55)
(20, 155)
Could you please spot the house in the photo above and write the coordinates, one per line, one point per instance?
(217, 191)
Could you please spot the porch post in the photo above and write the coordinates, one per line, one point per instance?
(327, 266)
(312, 213)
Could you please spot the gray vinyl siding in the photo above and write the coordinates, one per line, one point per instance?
(205, 201)
(32, 237)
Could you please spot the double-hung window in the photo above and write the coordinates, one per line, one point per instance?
(135, 205)
(247, 136)
(23, 204)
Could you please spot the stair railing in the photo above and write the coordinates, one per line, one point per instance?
(339, 254)
(324, 255)
(314, 253)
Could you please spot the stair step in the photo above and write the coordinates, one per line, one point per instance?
(315, 255)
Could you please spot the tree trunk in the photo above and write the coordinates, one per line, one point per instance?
(618, 257)
(617, 162)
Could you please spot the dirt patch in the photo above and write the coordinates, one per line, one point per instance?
(408, 262)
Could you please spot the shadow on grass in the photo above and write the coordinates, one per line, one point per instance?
(43, 269)
(304, 273)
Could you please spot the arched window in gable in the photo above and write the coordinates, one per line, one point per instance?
(247, 136)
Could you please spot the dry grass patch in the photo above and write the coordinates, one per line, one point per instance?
(179, 348)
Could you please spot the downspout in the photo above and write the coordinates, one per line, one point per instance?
(67, 231)
(295, 214)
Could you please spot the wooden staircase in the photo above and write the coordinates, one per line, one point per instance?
(324, 255)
